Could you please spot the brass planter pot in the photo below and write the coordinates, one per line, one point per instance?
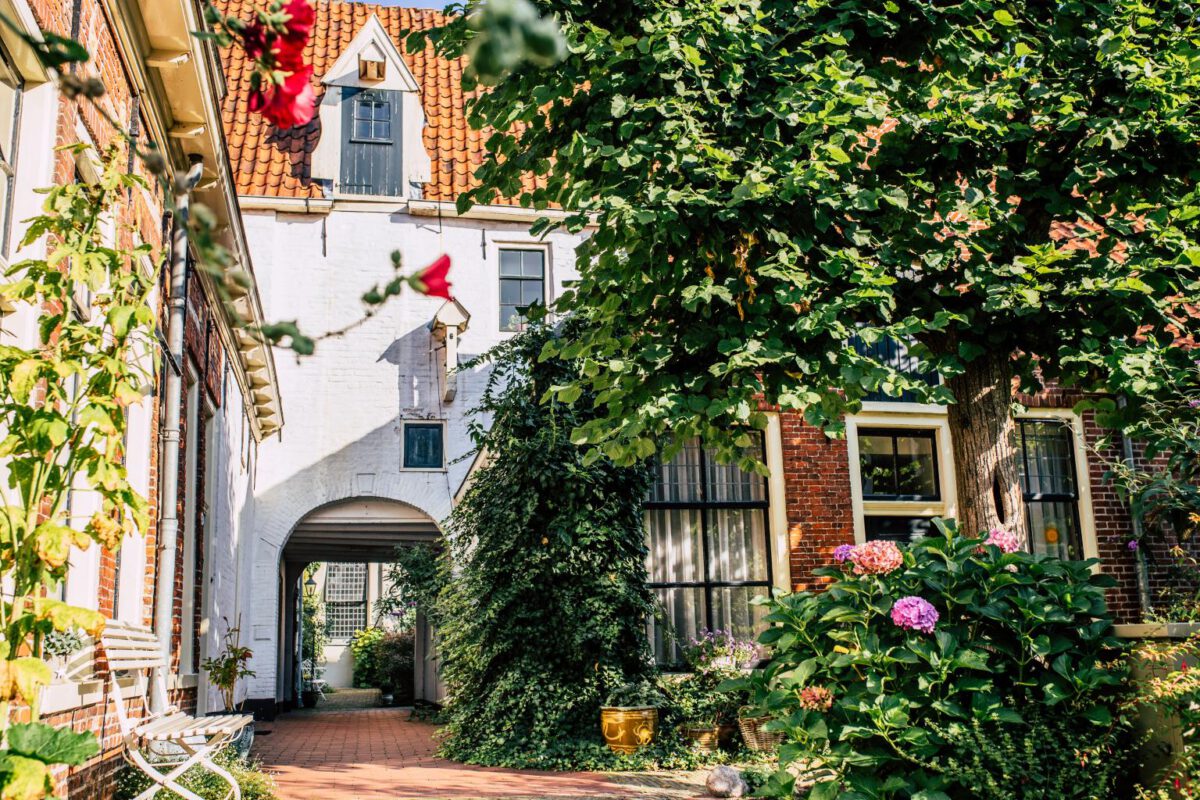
(628, 729)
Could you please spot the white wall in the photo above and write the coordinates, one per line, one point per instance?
(343, 406)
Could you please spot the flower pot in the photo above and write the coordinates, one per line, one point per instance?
(308, 698)
(627, 729)
(756, 738)
(705, 736)
(386, 698)
(725, 734)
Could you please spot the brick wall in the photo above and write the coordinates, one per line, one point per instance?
(820, 512)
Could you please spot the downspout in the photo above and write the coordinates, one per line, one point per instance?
(168, 519)
(1143, 571)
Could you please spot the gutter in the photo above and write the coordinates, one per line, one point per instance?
(1143, 570)
(168, 520)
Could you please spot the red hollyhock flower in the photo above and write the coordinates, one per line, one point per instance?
(432, 281)
(301, 20)
(288, 104)
(254, 40)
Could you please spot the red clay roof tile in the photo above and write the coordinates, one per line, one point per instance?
(277, 163)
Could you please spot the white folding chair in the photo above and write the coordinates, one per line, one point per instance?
(193, 740)
(316, 676)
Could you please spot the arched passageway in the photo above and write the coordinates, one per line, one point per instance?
(359, 530)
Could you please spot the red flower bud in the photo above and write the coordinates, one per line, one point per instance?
(432, 280)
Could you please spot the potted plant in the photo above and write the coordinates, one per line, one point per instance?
(629, 718)
(59, 646)
(704, 709)
(752, 718)
(224, 671)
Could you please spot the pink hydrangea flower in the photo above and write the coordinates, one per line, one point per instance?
(877, 557)
(915, 614)
(842, 552)
(816, 698)
(1003, 538)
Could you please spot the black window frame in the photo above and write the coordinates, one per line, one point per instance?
(520, 280)
(1069, 498)
(703, 505)
(894, 433)
(375, 100)
(440, 426)
(8, 153)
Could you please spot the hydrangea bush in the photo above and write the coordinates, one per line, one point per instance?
(878, 679)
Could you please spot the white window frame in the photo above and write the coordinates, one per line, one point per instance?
(924, 416)
(445, 445)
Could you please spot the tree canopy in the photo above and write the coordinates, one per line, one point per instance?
(1010, 188)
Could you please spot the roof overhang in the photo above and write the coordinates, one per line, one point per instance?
(180, 80)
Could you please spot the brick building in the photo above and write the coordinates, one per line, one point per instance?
(162, 86)
(378, 170)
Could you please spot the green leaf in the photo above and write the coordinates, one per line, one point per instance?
(52, 745)
(1004, 17)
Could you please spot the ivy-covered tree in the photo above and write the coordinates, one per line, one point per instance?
(548, 606)
(1010, 188)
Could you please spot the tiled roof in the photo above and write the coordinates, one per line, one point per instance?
(272, 163)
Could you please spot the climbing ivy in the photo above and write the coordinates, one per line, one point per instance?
(548, 606)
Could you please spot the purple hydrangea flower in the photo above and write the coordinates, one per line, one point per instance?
(1194, 403)
(842, 552)
(1133, 544)
(915, 614)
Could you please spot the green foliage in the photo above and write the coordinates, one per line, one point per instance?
(770, 178)
(1167, 684)
(312, 620)
(254, 783)
(880, 711)
(1049, 757)
(414, 580)
(63, 407)
(546, 612)
(383, 659)
(226, 669)
(635, 694)
(702, 698)
(364, 651)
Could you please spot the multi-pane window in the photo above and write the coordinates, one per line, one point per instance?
(709, 549)
(895, 354)
(345, 599)
(10, 110)
(424, 447)
(372, 118)
(1050, 486)
(522, 284)
(898, 464)
(901, 482)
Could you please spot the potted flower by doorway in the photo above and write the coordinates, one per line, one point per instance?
(629, 718)
(224, 671)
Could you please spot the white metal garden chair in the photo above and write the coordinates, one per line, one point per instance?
(192, 741)
(316, 676)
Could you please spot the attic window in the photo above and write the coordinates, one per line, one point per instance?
(371, 70)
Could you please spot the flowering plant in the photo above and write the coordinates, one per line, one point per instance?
(874, 679)
(274, 40)
(718, 650)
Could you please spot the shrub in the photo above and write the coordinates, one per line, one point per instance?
(364, 649)
(1167, 684)
(254, 783)
(546, 612)
(880, 679)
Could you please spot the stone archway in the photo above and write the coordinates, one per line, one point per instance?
(360, 529)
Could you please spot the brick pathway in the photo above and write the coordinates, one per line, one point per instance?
(379, 753)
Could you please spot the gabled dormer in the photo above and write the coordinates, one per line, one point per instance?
(371, 121)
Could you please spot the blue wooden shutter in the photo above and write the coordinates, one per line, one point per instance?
(371, 142)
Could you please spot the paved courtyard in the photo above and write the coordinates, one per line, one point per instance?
(380, 753)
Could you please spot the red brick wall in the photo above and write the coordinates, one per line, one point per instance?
(820, 514)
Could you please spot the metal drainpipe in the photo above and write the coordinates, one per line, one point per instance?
(168, 519)
(1143, 573)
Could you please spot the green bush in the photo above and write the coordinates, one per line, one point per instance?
(881, 681)
(546, 613)
(364, 649)
(254, 783)
(383, 660)
(1047, 758)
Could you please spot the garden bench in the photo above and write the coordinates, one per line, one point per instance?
(191, 741)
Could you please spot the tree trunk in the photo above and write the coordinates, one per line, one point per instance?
(983, 437)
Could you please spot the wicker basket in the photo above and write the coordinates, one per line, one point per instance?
(756, 738)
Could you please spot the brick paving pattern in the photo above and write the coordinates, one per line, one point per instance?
(379, 753)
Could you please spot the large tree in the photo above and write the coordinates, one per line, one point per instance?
(1009, 187)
